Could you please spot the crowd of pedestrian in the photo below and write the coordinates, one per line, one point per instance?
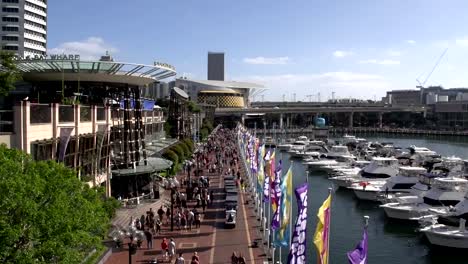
(217, 155)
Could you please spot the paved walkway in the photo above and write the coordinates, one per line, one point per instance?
(213, 242)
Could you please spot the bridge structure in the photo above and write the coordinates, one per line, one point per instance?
(283, 113)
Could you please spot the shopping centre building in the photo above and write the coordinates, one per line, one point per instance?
(91, 116)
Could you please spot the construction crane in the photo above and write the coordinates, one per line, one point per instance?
(432, 71)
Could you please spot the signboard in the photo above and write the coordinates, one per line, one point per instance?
(59, 57)
(163, 64)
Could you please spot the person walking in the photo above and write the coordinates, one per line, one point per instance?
(142, 221)
(203, 204)
(161, 213)
(197, 220)
(164, 248)
(211, 197)
(149, 238)
(191, 217)
(180, 259)
(168, 215)
(172, 249)
(158, 226)
(234, 259)
(195, 259)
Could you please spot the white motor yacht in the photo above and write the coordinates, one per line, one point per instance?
(449, 229)
(328, 164)
(299, 145)
(381, 168)
(444, 192)
(416, 192)
(339, 151)
(400, 183)
(447, 236)
(313, 148)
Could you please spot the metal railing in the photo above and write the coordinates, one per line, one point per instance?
(100, 114)
(66, 114)
(85, 114)
(40, 114)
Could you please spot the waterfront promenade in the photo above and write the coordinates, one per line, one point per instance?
(212, 241)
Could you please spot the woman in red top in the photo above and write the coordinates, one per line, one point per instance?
(164, 247)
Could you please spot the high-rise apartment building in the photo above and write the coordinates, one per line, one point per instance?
(24, 27)
(216, 66)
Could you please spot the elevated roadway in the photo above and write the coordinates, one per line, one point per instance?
(319, 109)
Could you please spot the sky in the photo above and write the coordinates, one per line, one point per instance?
(295, 48)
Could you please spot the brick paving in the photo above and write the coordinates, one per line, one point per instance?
(213, 242)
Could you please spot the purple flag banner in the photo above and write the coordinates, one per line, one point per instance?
(65, 133)
(359, 254)
(275, 222)
(297, 251)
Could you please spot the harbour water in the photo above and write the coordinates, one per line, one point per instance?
(389, 241)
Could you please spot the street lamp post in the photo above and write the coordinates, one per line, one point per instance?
(172, 208)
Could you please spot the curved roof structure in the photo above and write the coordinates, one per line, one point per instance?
(227, 84)
(220, 90)
(93, 71)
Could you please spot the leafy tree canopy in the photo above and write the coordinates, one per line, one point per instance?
(47, 214)
(9, 74)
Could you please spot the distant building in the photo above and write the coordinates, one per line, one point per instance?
(404, 97)
(24, 27)
(448, 108)
(216, 66)
(221, 94)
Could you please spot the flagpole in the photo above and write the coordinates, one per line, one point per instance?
(290, 210)
(280, 253)
(329, 224)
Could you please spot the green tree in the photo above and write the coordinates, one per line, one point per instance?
(186, 149)
(48, 215)
(9, 73)
(193, 107)
(189, 144)
(171, 155)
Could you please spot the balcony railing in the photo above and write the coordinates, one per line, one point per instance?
(85, 114)
(6, 121)
(100, 114)
(66, 114)
(40, 114)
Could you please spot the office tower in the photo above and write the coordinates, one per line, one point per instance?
(216, 66)
(24, 27)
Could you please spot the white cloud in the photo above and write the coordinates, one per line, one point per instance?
(462, 42)
(346, 84)
(267, 61)
(342, 53)
(410, 41)
(380, 62)
(394, 53)
(90, 49)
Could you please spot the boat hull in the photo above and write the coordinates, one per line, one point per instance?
(366, 195)
(404, 213)
(454, 239)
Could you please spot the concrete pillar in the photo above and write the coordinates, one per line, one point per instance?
(108, 118)
(351, 120)
(55, 128)
(77, 132)
(281, 121)
(380, 119)
(288, 120)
